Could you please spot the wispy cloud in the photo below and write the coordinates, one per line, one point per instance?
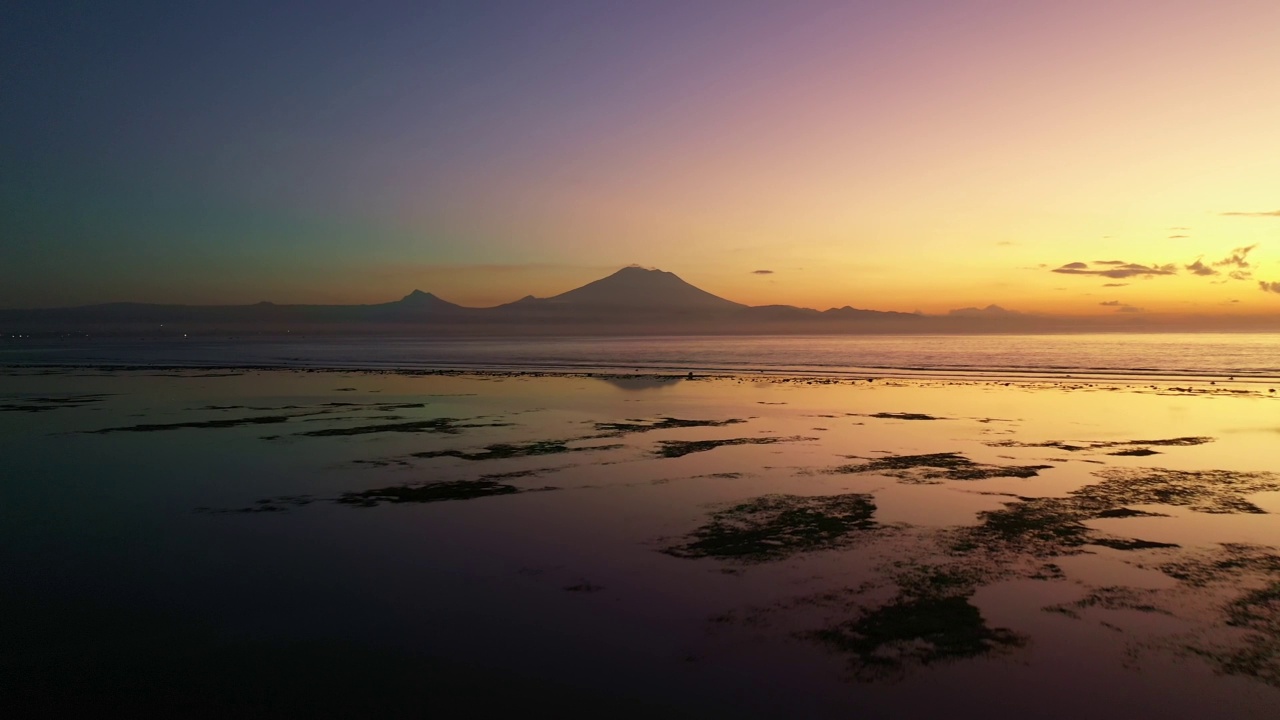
(1175, 237)
(761, 272)
(1269, 286)
(1129, 309)
(1271, 213)
(1115, 285)
(1119, 271)
(1111, 303)
(1199, 268)
(1238, 257)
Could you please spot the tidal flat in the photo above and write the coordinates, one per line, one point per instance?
(346, 543)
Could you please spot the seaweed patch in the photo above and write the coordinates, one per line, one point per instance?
(584, 587)
(1228, 562)
(1131, 544)
(777, 526)
(915, 631)
(665, 423)
(1132, 447)
(898, 416)
(935, 467)
(202, 424)
(1038, 527)
(1207, 491)
(509, 450)
(680, 448)
(1111, 598)
(276, 504)
(449, 426)
(1253, 649)
(45, 403)
(432, 492)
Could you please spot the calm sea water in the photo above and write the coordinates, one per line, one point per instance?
(278, 544)
(1203, 355)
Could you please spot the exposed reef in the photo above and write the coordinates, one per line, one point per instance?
(665, 423)
(431, 492)
(936, 467)
(777, 526)
(680, 448)
(501, 451)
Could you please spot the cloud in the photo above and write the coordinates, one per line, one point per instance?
(1180, 227)
(1269, 286)
(761, 272)
(1117, 272)
(1272, 213)
(1129, 309)
(1199, 268)
(1115, 285)
(1108, 262)
(1005, 243)
(1240, 275)
(1111, 303)
(1237, 257)
(1175, 237)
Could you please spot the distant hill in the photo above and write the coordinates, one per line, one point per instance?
(628, 296)
(635, 287)
(419, 300)
(631, 301)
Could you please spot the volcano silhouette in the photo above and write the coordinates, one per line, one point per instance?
(637, 288)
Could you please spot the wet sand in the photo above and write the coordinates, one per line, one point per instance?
(777, 546)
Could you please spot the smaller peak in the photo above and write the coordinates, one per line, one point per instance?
(417, 296)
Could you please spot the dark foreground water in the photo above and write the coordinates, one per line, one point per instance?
(286, 543)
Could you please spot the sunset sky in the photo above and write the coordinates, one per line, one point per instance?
(1085, 157)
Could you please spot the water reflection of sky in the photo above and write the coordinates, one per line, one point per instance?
(568, 592)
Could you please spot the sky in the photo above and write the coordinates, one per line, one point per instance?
(1081, 158)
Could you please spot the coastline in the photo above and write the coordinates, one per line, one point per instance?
(1185, 383)
(1128, 359)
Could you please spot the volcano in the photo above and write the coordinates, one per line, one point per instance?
(636, 288)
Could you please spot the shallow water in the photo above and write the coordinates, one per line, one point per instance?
(207, 541)
(1211, 356)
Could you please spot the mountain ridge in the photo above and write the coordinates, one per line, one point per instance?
(630, 301)
(632, 288)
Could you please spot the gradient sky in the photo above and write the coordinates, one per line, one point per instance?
(897, 154)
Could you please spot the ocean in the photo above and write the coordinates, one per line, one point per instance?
(1109, 356)
(230, 541)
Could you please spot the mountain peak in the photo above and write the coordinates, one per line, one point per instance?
(638, 270)
(637, 287)
(424, 301)
(417, 296)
